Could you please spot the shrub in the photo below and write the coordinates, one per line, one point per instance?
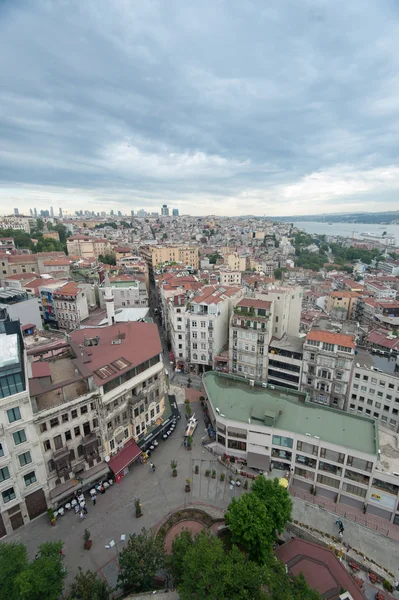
(207, 472)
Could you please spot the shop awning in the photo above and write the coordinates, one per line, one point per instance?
(124, 457)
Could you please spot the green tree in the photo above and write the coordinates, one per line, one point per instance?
(210, 573)
(88, 586)
(180, 546)
(107, 259)
(39, 224)
(276, 499)
(13, 561)
(140, 560)
(43, 579)
(278, 273)
(251, 526)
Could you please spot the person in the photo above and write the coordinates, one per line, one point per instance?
(85, 511)
(81, 514)
(341, 533)
(153, 468)
(94, 498)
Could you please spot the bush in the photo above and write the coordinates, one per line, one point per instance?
(387, 585)
(207, 472)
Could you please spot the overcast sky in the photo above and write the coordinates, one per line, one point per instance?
(228, 107)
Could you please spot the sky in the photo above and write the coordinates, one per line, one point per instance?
(225, 107)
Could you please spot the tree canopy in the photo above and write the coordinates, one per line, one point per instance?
(276, 499)
(88, 586)
(40, 579)
(140, 560)
(107, 259)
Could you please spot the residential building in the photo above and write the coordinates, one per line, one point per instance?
(374, 388)
(327, 363)
(128, 291)
(391, 267)
(7, 245)
(157, 255)
(17, 264)
(285, 360)
(341, 304)
(86, 246)
(23, 481)
(380, 290)
(235, 262)
(47, 307)
(250, 334)
(15, 222)
(332, 453)
(71, 305)
(230, 278)
(387, 313)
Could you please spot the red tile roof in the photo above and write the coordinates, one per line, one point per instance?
(215, 294)
(250, 303)
(21, 276)
(379, 337)
(69, 289)
(138, 343)
(341, 339)
(321, 569)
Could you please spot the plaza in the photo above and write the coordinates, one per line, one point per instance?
(160, 495)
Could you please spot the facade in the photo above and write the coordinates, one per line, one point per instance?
(20, 307)
(250, 334)
(387, 314)
(23, 481)
(285, 361)
(157, 255)
(334, 454)
(374, 388)
(230, 278)
(340, 304)
(47, 304)
(327, 363)
(71, 306)
(87, 247)
(236, 262)
(128, 293)
(7, 245)
(15, 222)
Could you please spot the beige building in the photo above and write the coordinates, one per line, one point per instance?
(341, 304)
(230, 278)
(157, 255)
(87, 247)
(71, 306)
(235, 262)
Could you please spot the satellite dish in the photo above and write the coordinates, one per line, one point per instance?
(107, 459)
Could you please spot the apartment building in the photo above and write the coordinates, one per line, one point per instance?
(341, 304)
(230, 278)
(387, 314)
(381, 291)
(23, 481)
(71, 306)
(285, 360)
(332, 453)
(287, 309)
(92, 398)
(47, 305)
(128, 291)
(374, 388)
(157, 255)
(7, 245)
(249, 336)
(15, 222)
(87, 247)
(207, 324)
(327, 363)
(19, 306)
(235, 262)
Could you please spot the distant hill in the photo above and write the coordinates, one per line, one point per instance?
(383, 218)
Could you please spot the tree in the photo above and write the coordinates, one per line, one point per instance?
(209, 572)
(278, 273)
(43, 578)
(180, 546)
(140, 560)
(39, 224)
(107, 259)
(251, 526)
(88, 586)
(276, 499)
(13, 560)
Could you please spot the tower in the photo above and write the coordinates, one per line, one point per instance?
(109, 301)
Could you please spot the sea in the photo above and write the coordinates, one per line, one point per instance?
(348, 229)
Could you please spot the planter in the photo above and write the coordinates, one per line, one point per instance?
(187, 488)
(139, 515)
(53, 522)
(88, 544)
(174, 473)
(189, 447)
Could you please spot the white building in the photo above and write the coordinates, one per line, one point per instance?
(230, 278)
(71, 306)
(129, 294)
(380, 290)
(23, 481)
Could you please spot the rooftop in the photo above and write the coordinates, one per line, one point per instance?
(291, 411)
(341, 339)
(371, 361)
(252, 303)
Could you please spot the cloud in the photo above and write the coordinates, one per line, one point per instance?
(218, 107)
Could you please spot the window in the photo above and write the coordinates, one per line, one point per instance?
(92, 406)
(391, 386)
(19, 437)
(47, 445)
(157, 409)
(380, 394)
(54, 422)
(126, 433)
(195, 346)
(112, 445)
(363, 388)
(193, 323)
(326, 480)
(236, 445)
(74, 413)
(83, 410)
(80, 450)
(13, 414)
(137, 429)
(365, 377)
(386, 407)
(381, 383)
(203, 323)
(43, 427)
(357, 375)
(328, 347)
(280, 440)
(30, 478)
(4, 474)
(371, 391)
(136, 412)
(65, 418)
(68, 436)
(77, 431)
(8, 495)
(1, 450)
(24, 459)
(57, 442)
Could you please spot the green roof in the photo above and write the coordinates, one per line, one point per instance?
(289, 410)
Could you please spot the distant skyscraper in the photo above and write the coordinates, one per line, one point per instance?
(31, 212)
(16, 212)
(112, 213)
(119, 213)
(141, 213)
(175, 212)
(165, 210)
(60, 213)
(35, 212)
(103, 213)
(132, 213)
(51, 211)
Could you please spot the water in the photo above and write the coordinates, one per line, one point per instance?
(347, 229)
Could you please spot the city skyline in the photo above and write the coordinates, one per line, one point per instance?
(219, 109)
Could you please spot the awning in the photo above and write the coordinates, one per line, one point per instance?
(124, 457)
(66, 489)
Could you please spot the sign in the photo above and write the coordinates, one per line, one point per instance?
(377, 497)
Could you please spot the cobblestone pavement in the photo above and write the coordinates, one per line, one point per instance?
(160, 493)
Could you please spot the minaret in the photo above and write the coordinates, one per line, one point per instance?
(109, 301)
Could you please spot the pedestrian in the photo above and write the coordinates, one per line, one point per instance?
(85, 511)
(94, 498)
(340, 534)
(153, 468)
(81, 514)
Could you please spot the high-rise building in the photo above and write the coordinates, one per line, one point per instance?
(112, 213)
(119, 213)
(51, 211)
(141, 213)
(16, 212)
(175, 212)
(132, 213)
(31, 212)
(60, 212)
(35, 212)
(165, 210)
